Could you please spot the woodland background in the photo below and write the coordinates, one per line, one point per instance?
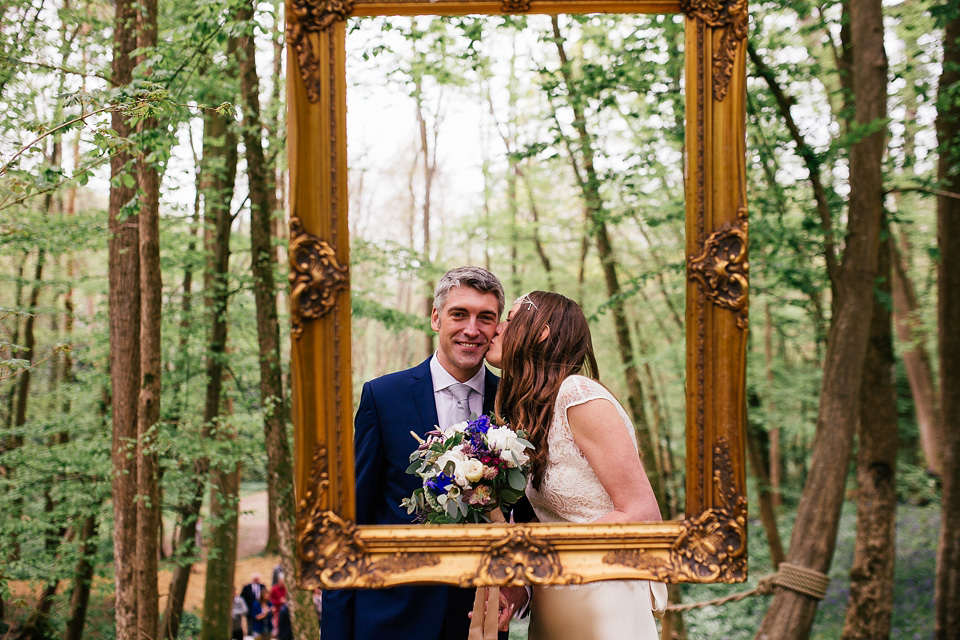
(144, 331)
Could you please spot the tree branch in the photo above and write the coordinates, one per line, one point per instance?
(927, 190)
(810, 160)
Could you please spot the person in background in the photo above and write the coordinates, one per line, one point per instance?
(258, 617)
(237, 613)
(318, 602)
(278, 596)
(284, 630)
(251, 593)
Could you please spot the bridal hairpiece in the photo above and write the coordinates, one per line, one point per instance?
(525, 299)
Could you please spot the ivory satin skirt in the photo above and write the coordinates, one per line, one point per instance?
(612, 610)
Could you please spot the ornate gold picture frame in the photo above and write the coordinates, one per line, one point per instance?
(709, 544)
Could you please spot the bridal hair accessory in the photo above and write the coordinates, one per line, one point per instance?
(525, 299)
(468, 472)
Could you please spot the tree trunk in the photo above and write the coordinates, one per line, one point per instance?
(87, 532)
(593, 202)
(870, 606)
(11, 400)
(263, 256)
(148, 409)
(224, 482)
(220, 168)
(537, 243)
(37, 627)
(768, 513)
(429, 160)
(222, 557)
(279, 465)
(947, 595)
(791, 614)
(24, 379)
(124, 301)
(29, 342)
(776, 466)
(810, 160)
(222, 560)
(83, 579)
(916, 361)
(515, 176)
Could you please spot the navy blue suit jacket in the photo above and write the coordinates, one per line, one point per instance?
(390, 408)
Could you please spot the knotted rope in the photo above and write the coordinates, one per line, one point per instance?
(795, 577)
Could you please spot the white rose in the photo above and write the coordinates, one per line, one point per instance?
(459, 427)
(505, 442)
(469, 471)
(454, 455)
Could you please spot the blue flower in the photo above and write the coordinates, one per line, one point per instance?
(438, 483)
(481, 424)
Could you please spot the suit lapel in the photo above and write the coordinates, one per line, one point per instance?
(489, 392)
(422, 390)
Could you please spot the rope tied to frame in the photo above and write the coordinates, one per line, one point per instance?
(795, 577)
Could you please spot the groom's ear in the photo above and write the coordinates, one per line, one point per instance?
(435, 319)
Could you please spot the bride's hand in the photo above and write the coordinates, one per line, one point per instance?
(512, 599)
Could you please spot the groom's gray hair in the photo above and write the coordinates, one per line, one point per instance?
(474, 277)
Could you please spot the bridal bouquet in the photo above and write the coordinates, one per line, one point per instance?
(467, 470)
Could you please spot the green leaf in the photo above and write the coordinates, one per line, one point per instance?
(516, 479)
(451, 508)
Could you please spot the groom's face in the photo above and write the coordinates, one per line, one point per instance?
(466, 325)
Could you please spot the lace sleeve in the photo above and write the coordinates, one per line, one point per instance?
(570, 490)
(577, 390)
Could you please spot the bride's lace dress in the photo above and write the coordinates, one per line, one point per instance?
(571, 492)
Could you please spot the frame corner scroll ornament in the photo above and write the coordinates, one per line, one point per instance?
(306, 17)
(518, 559)
(332, 554)
(711, 547)
(722, 268)
(316, 277)
(731, 16)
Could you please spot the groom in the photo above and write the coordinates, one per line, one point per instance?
(442, 390)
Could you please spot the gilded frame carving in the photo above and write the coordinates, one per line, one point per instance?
(709, 544)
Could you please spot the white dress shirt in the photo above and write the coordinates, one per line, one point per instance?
(445, 400)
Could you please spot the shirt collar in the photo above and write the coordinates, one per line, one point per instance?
(442, 378)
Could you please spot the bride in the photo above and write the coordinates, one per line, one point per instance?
(585, 467)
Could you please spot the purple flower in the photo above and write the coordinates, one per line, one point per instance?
(481, 424)
(439, 483)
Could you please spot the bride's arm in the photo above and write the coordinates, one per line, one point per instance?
(599, 432)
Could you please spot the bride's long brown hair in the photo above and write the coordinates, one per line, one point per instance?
(533, 369)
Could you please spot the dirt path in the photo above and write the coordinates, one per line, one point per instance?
(251, 538)
(252, 534)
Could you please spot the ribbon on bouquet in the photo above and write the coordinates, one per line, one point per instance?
(486, 605)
